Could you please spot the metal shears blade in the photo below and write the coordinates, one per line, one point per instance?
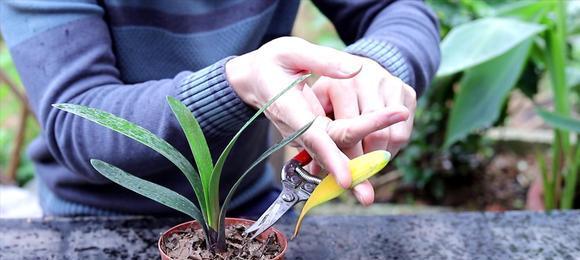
(297, 185)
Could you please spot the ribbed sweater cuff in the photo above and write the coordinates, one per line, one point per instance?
(213, 102)
(386, 54)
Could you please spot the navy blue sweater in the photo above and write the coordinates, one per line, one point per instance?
(126, 56)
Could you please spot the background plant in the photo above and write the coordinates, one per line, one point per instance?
(204, 181)
(430, 160)
(17, 125)
(488, 57)
(490, 48)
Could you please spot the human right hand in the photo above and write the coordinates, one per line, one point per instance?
(259, 75)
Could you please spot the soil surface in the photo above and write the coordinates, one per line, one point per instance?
(190, 244)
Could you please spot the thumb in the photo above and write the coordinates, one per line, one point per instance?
(301, 55)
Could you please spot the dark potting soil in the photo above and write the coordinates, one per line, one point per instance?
(190, 244)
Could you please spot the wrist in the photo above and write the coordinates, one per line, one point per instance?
(386, 55)
(237, 74)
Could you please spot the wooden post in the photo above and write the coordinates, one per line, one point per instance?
(14, 160)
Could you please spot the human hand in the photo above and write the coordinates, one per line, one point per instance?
(372, 89)
(259, 75)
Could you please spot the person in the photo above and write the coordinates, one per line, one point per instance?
(224, 60)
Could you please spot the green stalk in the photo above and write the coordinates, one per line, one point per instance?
(557, 166)
(556, 64)
(546, 183)
(571, 180)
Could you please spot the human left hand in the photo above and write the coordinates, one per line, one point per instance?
(372, 89)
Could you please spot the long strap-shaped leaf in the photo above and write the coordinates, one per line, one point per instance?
(149, 189)
(559, 121)
(215, 176)
(200, 151)
(262, 157)
(138, 134)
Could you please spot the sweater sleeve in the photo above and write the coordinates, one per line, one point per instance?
(64, 54)
(401, 35)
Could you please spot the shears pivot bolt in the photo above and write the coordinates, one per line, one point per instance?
(309, 187)
(287, 197)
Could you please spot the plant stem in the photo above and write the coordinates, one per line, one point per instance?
(556, 64)
(571, 180)
(546, 183)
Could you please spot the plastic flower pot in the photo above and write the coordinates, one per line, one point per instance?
(229, 221)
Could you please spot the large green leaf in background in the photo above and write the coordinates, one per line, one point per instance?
(559, 121)
(479, 41)
(482, 92)
(524, 10)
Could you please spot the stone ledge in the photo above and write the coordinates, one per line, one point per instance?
(511, 235)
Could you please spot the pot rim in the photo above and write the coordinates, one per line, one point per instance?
(279, 235)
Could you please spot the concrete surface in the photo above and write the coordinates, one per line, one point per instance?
(512, 235)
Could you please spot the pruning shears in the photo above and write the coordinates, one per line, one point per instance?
(297, 186)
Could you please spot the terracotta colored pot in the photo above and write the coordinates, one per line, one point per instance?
(229, 221)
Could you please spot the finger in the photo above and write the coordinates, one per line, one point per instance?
(291, 112)
(298, 54)
(411, 104)
(364, 193)
(378, 140)
(321, 90)
(325, 152)
(370, 99)
(399, 133)
(314, 168)
(345, 106)
(347, 132)
(313, 101)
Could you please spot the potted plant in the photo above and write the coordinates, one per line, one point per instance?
(210, 234)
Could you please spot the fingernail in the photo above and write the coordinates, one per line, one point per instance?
(345, 184)
(362, 199)
(398, 117)
(349, 68)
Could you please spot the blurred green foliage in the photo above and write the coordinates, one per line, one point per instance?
(313, 26)
(428, 161)
(9, 112)
(476, 98)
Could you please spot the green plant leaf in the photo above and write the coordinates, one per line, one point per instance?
(140, 135)
(217, 170)
(524, 10)
(559, 121)
(482, 92)
(200, 151)
(569, 192)
(479, 41)
(261, 158)
(547, 184)
(149, 189)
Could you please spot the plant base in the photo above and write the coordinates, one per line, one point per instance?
(187, 241)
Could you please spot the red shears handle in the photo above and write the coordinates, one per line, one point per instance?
(303, 158)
